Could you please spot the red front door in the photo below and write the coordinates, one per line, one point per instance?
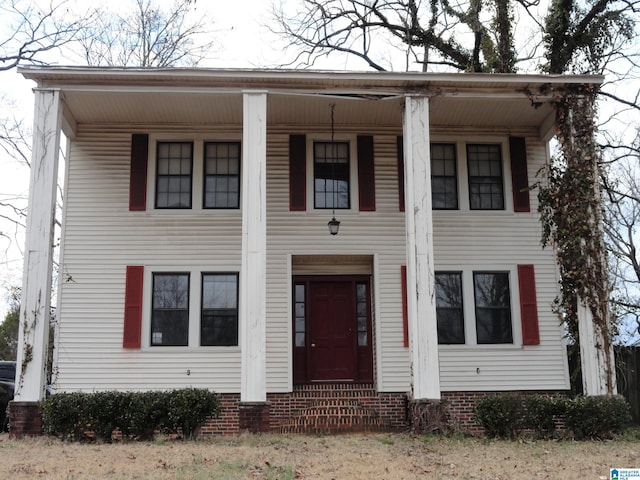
(331, 352)
(332, 330)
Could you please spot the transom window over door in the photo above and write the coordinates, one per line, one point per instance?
(486, 190)
(174, 174)
(222, 175)
(170, 309)
(331, 184)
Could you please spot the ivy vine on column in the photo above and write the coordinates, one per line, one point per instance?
(571, 211)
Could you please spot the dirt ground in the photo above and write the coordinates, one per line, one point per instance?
(281, 457)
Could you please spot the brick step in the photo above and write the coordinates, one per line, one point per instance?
(334, 416)
(338, 391)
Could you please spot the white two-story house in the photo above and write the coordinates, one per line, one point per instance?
(196, 248)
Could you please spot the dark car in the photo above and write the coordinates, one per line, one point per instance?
(7, 387)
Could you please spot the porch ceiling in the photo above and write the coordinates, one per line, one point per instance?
(214, 97)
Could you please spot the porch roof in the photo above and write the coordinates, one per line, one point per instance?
(301, 97)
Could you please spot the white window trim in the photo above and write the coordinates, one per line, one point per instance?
(469, 306)
(353, 173)
(195, 292)
(197, 178)
(463, 174)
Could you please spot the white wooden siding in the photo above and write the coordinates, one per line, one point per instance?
(101, 237)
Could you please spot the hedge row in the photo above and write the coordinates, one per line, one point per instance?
(138, 415)
(508, 415)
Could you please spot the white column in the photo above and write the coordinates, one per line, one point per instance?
(421, 301)
(592, 356)
(253, 275)
(38, 255)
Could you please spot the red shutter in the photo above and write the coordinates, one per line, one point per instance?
(133, 307)
(138, 172)
(366, 174)
(400, 153)
(297, 172)
(528, 305)
(519, 177)
(405, 313)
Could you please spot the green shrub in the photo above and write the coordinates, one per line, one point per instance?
(505, 415)
(104, 410)
(500, 415)
(598, 417)
(136, 414)
(189, 408)
(65, 414)
(149, 412)
(539, 412)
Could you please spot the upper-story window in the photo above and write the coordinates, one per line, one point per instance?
(222, 175)
(331, 173)
(486, 186)
(174, 170)
(444, 180)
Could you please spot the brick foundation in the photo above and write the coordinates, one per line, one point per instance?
(393, 410)
(360, 406)
(253, 417)
(460, 407)
(25, 419)
(389, 408)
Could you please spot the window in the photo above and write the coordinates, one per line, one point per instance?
(331, 175)
(300, 327)
(173, 177)
(362, 314)
(222, 175)
(493, 307)
(485, 177)
(219, 319)
(444, 182)
(449, 312)
(170, 309)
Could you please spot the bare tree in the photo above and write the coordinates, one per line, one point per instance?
(466, 36)
(622, 228)
(35, 28)
(149, 36)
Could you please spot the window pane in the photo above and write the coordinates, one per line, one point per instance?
(331, 175)
(444, 182)
(219, 322)
(362, 324)
(493, 307)
(219, 328)
(299, 324)
(222, 177)
(362, 313)
(449, 312)
(486, 191)
(219, 291)
(173, 175)
(170, 309)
